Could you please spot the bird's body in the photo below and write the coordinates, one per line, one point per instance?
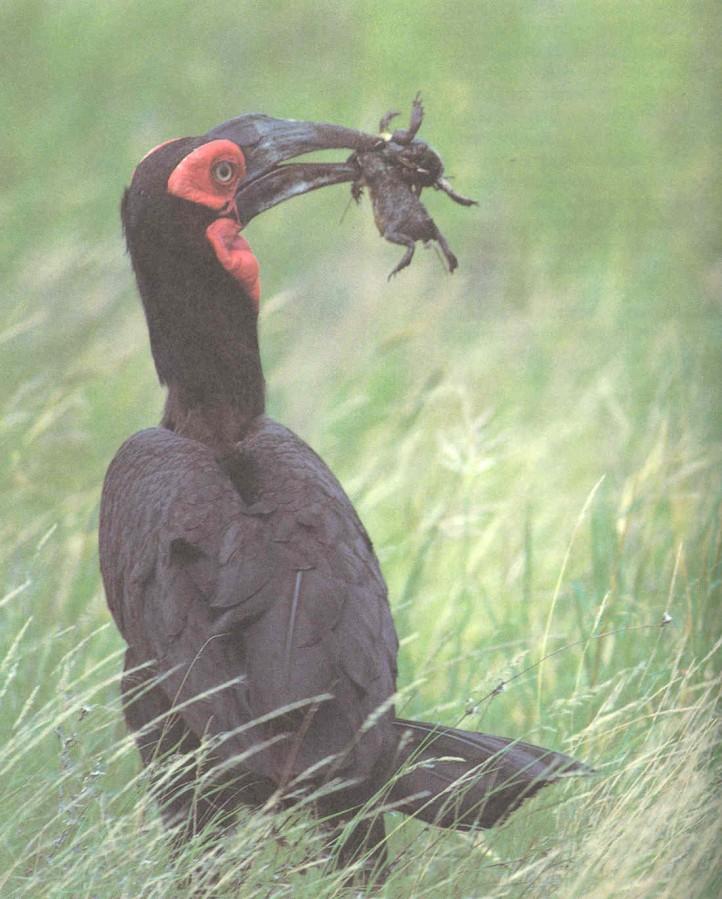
(258, 572)
(240, 576)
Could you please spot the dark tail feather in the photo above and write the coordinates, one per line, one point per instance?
(463, 780)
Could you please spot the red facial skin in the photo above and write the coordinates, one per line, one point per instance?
(209, 176)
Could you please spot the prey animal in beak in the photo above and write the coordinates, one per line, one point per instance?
(268, 143)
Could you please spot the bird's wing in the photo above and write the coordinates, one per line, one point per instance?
(253, 589)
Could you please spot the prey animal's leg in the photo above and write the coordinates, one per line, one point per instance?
(406, 135)
(404, 241)
(443, 184)
(451, 260)
(384, 123)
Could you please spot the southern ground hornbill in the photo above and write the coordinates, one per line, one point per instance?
(245, 586)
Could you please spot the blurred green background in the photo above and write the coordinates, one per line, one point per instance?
(534, 444)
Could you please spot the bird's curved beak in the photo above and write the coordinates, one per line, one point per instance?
(267, 143)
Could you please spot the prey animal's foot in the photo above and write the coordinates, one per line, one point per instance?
(405, 136)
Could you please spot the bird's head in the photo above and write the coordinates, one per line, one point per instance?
(190, 198)
(181, 208)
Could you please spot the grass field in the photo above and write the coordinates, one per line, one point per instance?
(534, 444)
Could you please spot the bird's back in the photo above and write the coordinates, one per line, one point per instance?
(252, 577)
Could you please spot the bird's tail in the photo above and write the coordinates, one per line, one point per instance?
(463, 780)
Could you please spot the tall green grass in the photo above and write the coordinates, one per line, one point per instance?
(534, 444)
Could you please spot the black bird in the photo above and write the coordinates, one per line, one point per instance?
(242, 580)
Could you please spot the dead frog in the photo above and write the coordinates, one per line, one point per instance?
(395, 175)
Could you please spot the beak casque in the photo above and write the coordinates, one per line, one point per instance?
(267, 143)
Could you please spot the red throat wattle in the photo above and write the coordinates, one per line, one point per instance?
(235, 255)
(209, 176)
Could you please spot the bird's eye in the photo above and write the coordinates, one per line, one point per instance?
(223, 171)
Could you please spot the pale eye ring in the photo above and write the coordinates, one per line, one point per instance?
(223, 171)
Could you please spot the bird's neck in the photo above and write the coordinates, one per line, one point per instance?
(204, 338)
(221, 421)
